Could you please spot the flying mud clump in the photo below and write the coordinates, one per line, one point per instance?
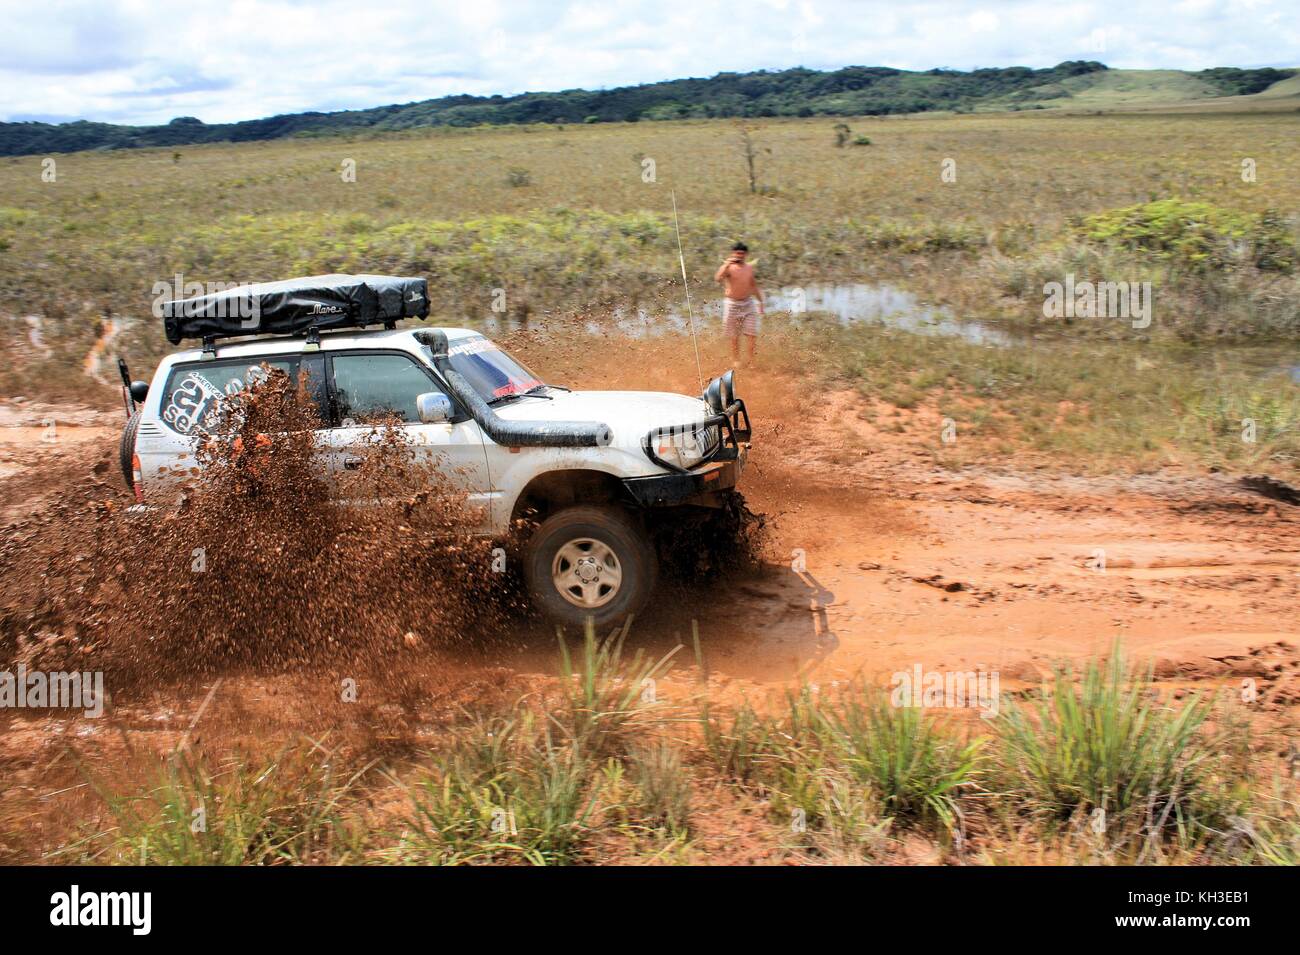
(268, 554)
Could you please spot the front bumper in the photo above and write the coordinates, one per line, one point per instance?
(668, 490)
(718, 471)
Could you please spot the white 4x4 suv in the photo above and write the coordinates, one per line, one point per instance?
(587, 467)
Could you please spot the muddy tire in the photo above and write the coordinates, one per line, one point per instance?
(127, 450)
(589, 563)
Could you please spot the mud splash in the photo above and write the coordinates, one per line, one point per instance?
(725, 543)
(262, 562)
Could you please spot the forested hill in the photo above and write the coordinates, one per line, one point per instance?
(852, 91)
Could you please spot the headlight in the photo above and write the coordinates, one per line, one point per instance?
(713, 396)
(688, 445)
(721, 392)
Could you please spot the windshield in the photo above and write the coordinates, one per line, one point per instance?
(492, 372)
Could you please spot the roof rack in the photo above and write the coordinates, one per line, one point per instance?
(294, 306)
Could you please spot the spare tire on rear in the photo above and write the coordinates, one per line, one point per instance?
(128, 449)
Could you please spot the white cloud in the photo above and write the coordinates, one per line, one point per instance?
(146, 61)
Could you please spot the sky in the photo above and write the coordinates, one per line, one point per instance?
(148, 61)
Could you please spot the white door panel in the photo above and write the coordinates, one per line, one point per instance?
(372, 383)
(455, 449)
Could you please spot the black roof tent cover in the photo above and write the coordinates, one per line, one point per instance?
(296, 305)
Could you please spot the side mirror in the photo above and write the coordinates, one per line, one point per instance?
(433, 407)
(139, 391)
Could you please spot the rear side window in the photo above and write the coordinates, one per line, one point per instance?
(191, 402)
(370, 385)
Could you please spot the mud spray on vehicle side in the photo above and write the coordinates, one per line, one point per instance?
(261, 562)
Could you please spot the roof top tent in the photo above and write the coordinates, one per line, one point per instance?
(293, 306)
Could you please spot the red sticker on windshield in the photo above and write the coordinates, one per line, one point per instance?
(514, 388)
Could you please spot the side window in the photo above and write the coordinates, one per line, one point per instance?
(191, 401)
(366, 386)
(312, 370)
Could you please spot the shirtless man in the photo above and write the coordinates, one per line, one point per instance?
(743, 308)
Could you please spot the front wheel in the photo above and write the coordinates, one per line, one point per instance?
(589, 563)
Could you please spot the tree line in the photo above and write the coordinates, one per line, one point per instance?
(851, 91)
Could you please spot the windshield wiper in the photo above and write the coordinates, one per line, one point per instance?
(533, 392)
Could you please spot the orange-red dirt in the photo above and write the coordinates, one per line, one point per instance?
(878, 561)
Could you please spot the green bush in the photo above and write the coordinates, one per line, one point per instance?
(1197, 236)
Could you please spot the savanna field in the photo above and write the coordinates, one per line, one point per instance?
(564, 757)
(564, 220)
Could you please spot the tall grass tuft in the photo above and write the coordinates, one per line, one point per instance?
(664, 787)
(851, 764)
(736, 746)
(913, 766)
(505, 791)
(605, 695)
(1108, 748)
(1272, 831)
(291, 810)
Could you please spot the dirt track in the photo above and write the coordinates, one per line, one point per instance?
(906, 563)
(901, 565)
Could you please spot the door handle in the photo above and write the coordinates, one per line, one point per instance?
(351, 464)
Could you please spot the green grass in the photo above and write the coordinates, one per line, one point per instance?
(846, 762)
(605, 696)
(563, 219)
(736, 741)
(1095, 767)
(505, 790)
(1271, 833)
(1117, 88)
(290, 810)
(1099, 405)
(901, 755)
(1106, 748)
(663, 785)
(525, 786)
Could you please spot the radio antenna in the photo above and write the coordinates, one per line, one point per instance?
(690, 314)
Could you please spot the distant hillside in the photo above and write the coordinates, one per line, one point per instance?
(852, 91)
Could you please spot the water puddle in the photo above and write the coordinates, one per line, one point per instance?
(892, 307)
(848, 304)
